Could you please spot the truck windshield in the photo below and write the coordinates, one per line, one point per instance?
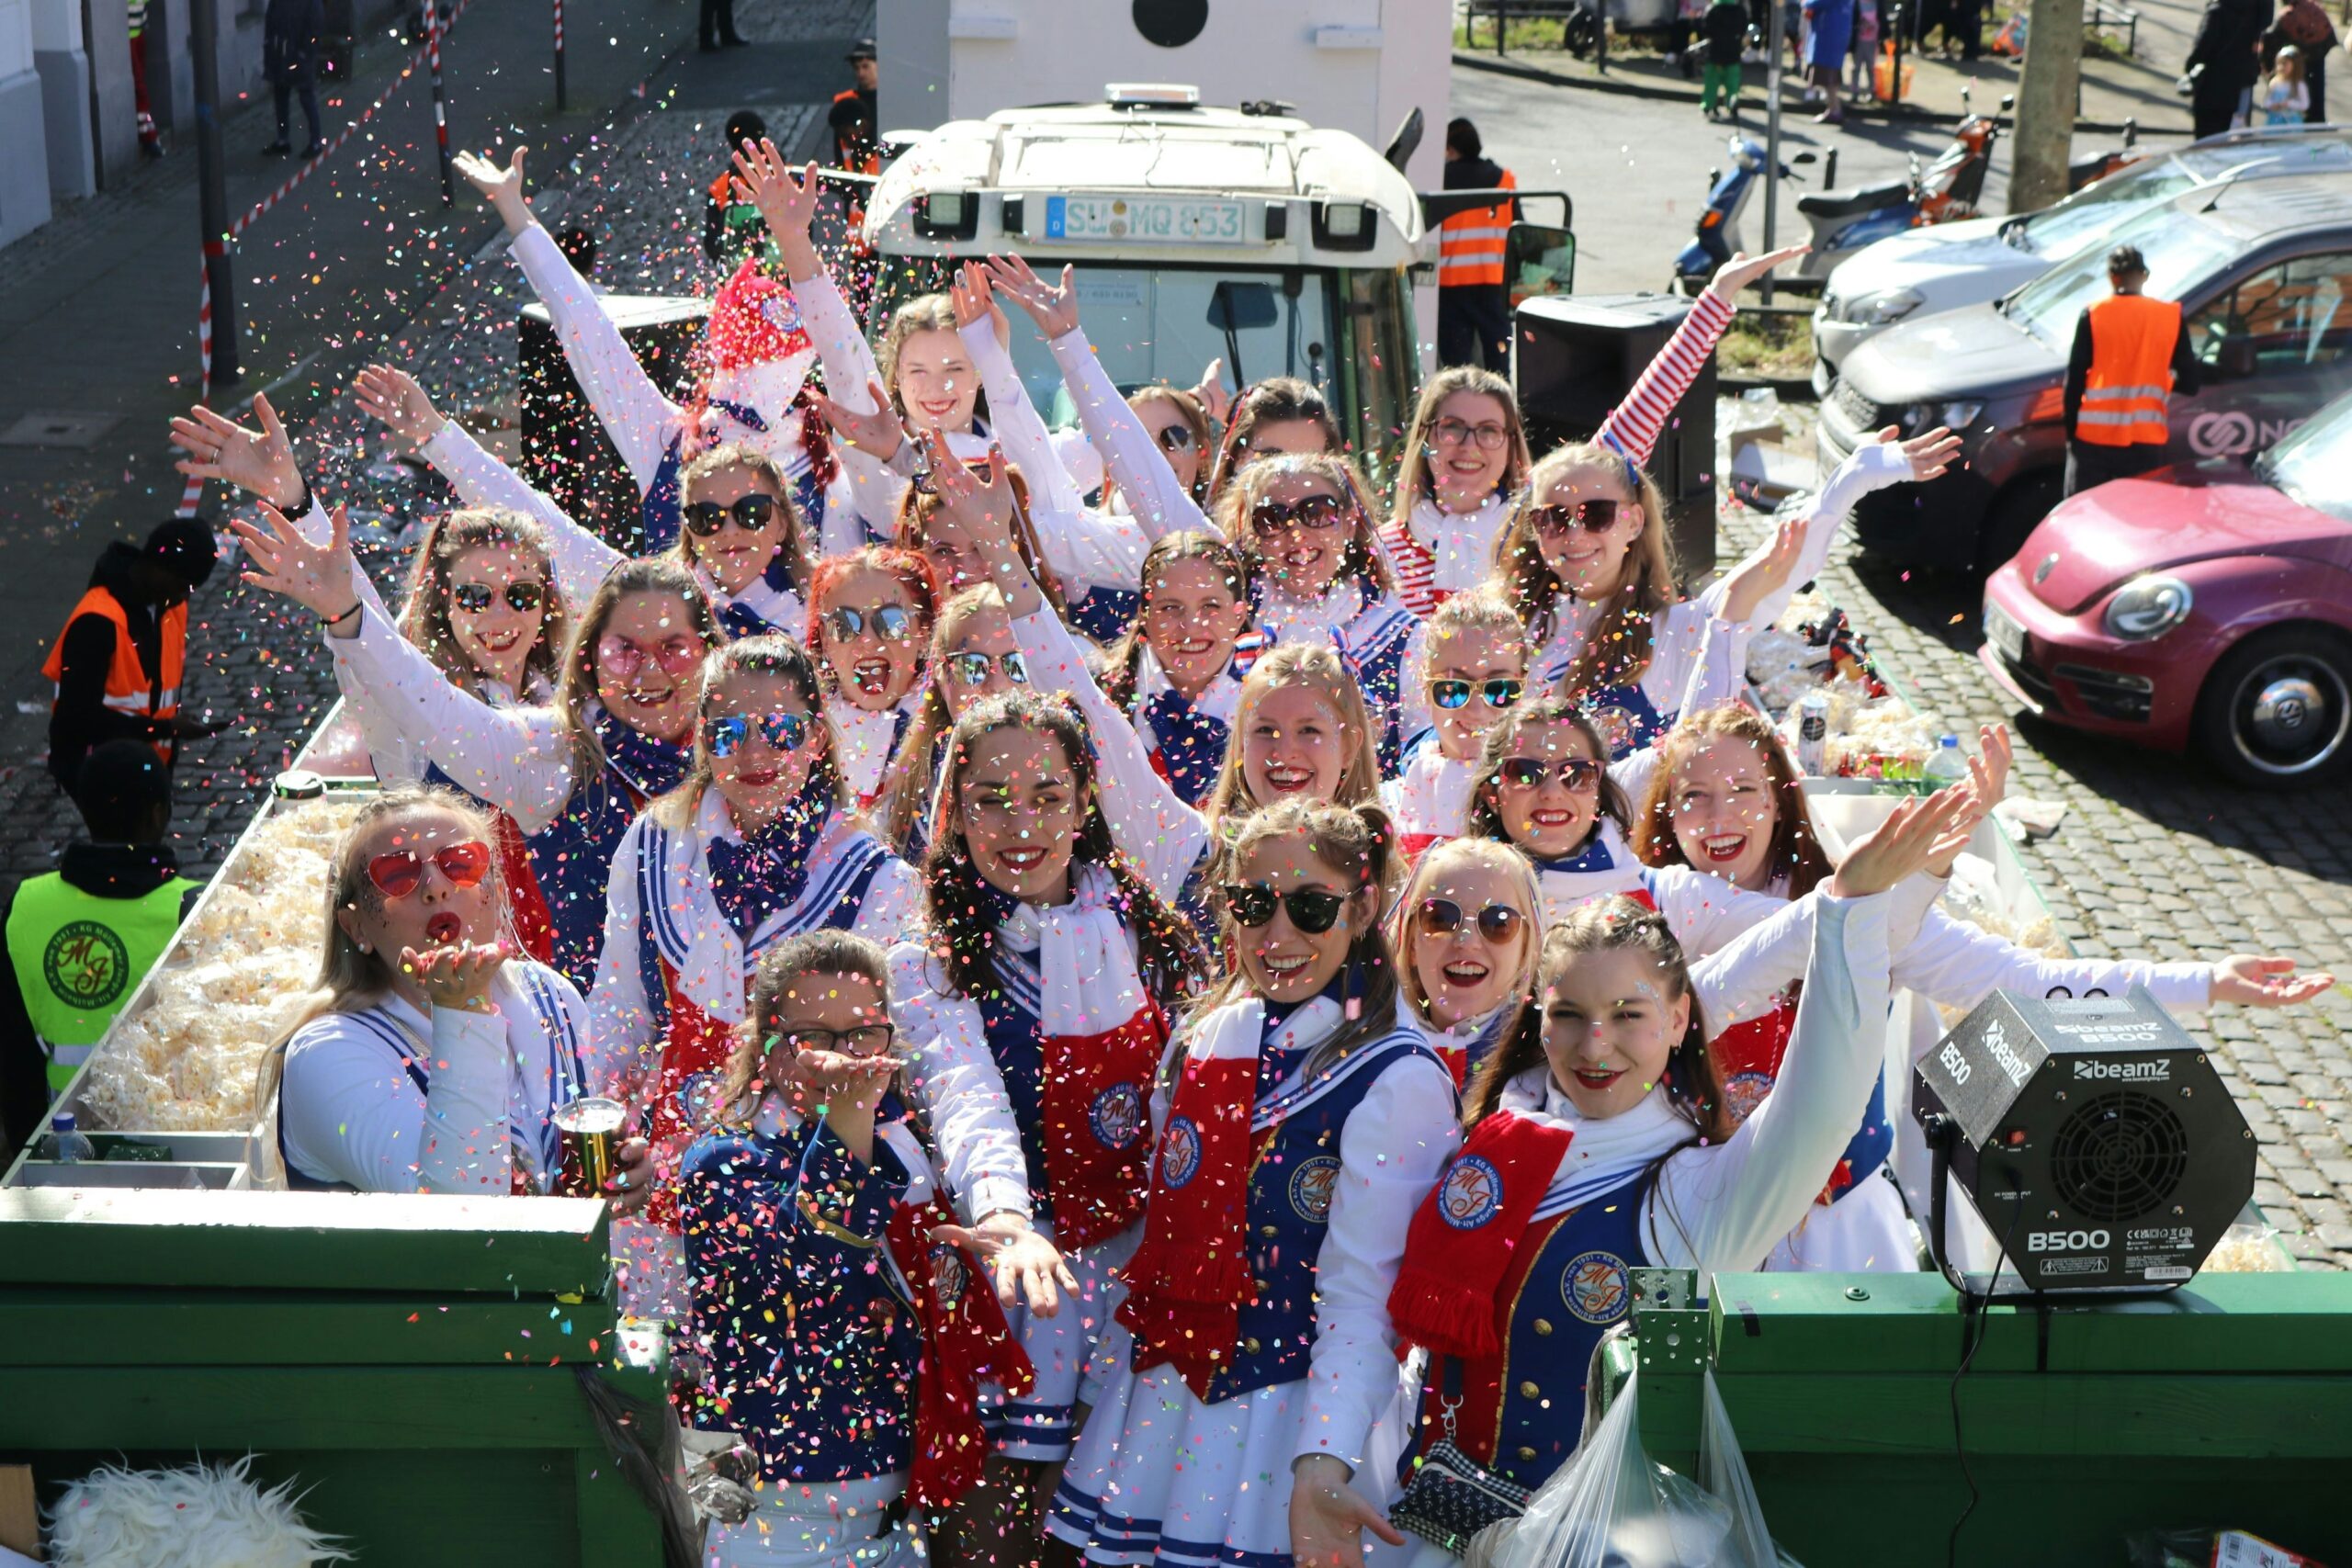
(2313, 465)
(2181, 252)
(1162, 323)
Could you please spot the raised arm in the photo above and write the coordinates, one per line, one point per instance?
(1012, 418)
(1634, 425)
(1874, 465)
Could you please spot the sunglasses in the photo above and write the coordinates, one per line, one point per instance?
(1452, 694)
(397, 874)
(972, 668)
(752, 514)
(1443, 916)
(1312, 910)
(1453, 432)
(475, 597)
(1594, 516)
(1531, 773)
(621, 658)
(865, 1040)
(1316, 512)
(890, 623)
(1175, 438)
(726, 735)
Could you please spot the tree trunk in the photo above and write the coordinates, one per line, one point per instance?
(2045, 118)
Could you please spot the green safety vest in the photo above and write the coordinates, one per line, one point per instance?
(77, 956)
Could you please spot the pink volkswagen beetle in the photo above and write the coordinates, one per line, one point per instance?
(2196, 608)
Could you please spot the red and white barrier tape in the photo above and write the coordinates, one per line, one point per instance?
(192, 494)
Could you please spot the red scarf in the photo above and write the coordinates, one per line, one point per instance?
(1748, 1059)
(1190, 1277)
(1462, 1241)
(965, 1342)
(1097, 1118)
(526, 904)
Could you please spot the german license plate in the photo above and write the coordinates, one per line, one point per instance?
(2007, 637)
(1166, 221)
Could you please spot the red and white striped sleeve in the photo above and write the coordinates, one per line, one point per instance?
(1633, 425)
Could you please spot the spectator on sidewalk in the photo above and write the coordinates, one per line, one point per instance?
(118, 663)
(1726, 29)
(857, 114)
(1473, 298)
(2285, 97)
(291, 31)
(717, 28)
(81, 937)
(2130, 356)
(2302, 25)
(730, 225)
(2222, 63)
(1829, 25)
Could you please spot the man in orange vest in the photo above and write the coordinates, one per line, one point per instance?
(119, 663)
(856, 116)
(2130, 356)
(1473, 305)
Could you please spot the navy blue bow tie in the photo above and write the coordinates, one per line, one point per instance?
(647, 766)
(1594, 856)
(1192, 743)
(740, 620)
(752, 880)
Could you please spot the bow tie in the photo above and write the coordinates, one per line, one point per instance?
(752, 880)
(740, 620)
(1594, 856)
(1191, 744)
(649, 767)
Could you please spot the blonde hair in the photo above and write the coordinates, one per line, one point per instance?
(1318, 668)
(923, 313)
(738, 454)
(834, 952)
(1277, 399)
(1482, 609)
(910, 796)
(425, 613)
(766, 655)
(1506, 862)
(1617, 651)
(1414, 482)
(1364, 560)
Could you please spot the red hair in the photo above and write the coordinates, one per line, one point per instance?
(911, 570)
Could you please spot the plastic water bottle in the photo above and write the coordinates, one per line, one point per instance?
(73, 1146)
(1945, 765)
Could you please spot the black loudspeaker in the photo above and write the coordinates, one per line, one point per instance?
(1574, 357)
(2092, 1136)
(565, 450)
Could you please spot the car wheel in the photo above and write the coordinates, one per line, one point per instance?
(2013, 517)
(2276, 712)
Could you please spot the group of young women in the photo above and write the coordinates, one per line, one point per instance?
(1149, 988)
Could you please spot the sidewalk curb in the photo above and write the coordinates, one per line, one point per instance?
(1663, 94)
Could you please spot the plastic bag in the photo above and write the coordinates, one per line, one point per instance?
(1613, 1506)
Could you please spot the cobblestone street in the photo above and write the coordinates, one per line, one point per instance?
(2158, 857)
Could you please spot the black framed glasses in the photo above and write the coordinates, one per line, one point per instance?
(892, 622)
(1499, 693)
(727, 734)
(1312, 910)
(1531, 772)
(1315, 512)
(473, 598)
(1596, 516)
(1175, 438)
(865, 1040)
(972, 668)
(1443, 916)
(1454, 432)
(749, 513)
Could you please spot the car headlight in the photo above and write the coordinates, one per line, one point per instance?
(1884, 309)
(2147, 607)
(1956, 415)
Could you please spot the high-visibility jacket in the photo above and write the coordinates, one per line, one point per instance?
(77, 957)
(1470, 245)
(132, 688)
(2130, 380)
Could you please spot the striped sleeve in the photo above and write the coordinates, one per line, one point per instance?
(1635, 425)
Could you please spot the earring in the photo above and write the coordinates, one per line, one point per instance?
(1354, 1008)
(365, 948)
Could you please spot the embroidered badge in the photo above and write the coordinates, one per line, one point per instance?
(1594, 1287)
(1470, 1194)
(948, 1276)
(1310, 1187)
(1180, 1153)
(1116, 1116)
(86, 965)
(1742, 1092)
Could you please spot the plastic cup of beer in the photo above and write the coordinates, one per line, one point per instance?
(592, 1132)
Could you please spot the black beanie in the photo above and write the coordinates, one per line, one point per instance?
(186, 546)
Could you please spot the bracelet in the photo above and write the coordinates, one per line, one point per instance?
(340, 619)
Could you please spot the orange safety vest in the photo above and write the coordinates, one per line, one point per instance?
(130, 689)
(869, 164)
(1470, 244)
(2133, 338)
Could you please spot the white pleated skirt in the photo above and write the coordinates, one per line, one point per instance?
(1042, 1424)
(1868, 1231)
(833, 1524)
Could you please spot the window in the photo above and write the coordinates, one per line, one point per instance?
(2296, 313)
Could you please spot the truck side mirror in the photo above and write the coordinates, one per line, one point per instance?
(1539, 259)
(2234, 356)
(1242, 307)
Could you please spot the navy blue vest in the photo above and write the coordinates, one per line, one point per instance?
(1017, 1041)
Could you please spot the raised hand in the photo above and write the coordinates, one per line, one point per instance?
(1917, 833)
(1988, 781)
(320, 578)
(1929, 454)
(1743, 270)
(394, 397)
(2256, 981)
(260, 462)
(789, 204)
(456, 977)
(502, 188)
(1054, 309)
(1762, 572)
(879, 434)
(1211, 393)
(967, 293)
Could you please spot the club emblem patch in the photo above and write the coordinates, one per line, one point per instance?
(1180, 1153)
(1620, 727)
(1742, 1092)
(1470, 1194)
(1595, 1288)
(1310, 1187)
(948, 1276)
(86, 964)
(1116, 1116)
(697, 1099)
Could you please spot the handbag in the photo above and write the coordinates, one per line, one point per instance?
(1451, 1496)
